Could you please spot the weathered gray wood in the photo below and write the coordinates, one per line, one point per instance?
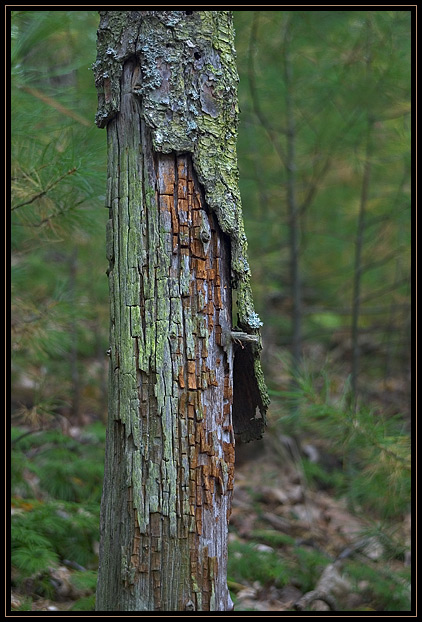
(174, 244)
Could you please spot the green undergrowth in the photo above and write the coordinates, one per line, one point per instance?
(272, 559)
(366, 454)
(381, 588)
(247, 563)
(264, 559)
(55, 499)
(362, 459)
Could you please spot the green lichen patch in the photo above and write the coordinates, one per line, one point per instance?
(188, 85)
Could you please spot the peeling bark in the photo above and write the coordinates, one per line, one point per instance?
(169, 465)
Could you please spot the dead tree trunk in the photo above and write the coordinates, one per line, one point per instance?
(183, 381)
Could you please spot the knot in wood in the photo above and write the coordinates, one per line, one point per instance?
(190, 606)
(205, 236)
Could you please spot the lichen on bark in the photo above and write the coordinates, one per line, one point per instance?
(187, 79)
(176, 248)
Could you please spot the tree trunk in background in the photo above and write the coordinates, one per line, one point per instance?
(176, 247)
(292, 207)
(358, 270)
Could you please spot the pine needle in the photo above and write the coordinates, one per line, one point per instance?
(55, 104)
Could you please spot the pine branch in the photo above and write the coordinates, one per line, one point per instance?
(44, 192)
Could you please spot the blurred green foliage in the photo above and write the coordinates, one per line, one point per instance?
(58, 163)
(56, 488)
(385, 590)
(248, 563)
(333, 94)
(372, 450)
(347, 69)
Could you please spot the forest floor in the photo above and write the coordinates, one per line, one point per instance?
(295, 542)
(309, 537)
(290, 544)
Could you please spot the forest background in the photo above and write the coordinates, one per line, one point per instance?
(325, 171)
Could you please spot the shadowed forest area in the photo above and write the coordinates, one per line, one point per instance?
(321, 509)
